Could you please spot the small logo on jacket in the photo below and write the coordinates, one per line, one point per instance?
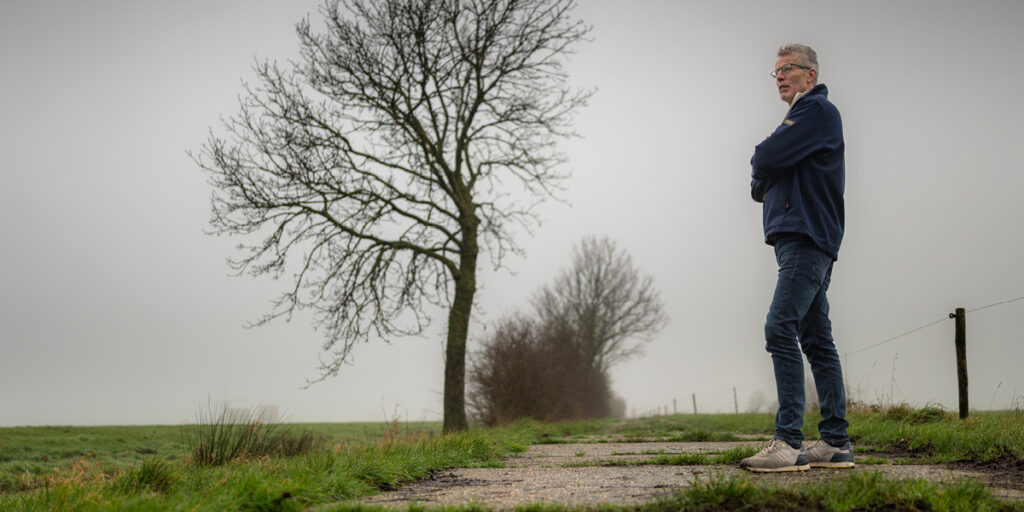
(787, 121)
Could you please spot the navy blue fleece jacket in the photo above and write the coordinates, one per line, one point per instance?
(799, 173)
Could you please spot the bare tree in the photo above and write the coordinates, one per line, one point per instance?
(605, 300)
(377, 168)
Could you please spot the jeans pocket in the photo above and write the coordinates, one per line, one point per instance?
(822, 267)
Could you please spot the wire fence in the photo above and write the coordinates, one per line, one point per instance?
(734, 389)
(925, 326)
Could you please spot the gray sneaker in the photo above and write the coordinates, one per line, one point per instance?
(776, 456)
(824, 455)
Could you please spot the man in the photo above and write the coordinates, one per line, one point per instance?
(799, 174)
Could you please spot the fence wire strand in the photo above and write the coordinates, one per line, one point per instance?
(873, 345)
(894, 338)
(912, 331)
(994, 304)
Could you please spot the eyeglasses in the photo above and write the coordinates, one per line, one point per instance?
(784, 70)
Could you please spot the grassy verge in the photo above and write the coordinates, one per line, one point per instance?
(901, 433)
(672, 428)
(935, 437)
(858, 491)
(30, 457)
(730, 456)
(144, 468)
(347, 471)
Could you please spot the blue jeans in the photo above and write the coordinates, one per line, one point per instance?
(798, 319)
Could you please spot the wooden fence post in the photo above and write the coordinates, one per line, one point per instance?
(735, 401)
(961, 358)
(694, 395)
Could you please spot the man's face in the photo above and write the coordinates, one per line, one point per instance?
(797, 80)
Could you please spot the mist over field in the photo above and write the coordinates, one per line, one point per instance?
(117, 308)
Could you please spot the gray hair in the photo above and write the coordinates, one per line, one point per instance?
(806, 54)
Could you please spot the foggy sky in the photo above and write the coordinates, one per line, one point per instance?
(116, 308)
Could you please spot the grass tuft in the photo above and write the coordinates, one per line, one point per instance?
(736, 493)
(220, 436)
(730, 456)
(153, 475)
(871, 460)
(904, 413)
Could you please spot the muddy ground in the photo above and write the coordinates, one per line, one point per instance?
(561, 473)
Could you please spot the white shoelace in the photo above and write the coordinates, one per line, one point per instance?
(770, 447)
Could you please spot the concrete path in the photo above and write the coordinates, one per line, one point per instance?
(549, 474)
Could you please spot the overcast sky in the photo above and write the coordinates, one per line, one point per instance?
(116, 308)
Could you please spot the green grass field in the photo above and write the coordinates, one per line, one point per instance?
(29, 456)
(147, 467)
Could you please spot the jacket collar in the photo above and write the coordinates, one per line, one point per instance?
(813, 91)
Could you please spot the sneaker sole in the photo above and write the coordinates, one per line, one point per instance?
(783, 469)
(833, 465)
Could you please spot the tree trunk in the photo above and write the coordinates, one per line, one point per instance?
(458, 329)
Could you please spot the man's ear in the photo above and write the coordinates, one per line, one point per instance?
(813, 74)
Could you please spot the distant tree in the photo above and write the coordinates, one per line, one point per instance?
(526, 369)
(377, 167)
(606, 301)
